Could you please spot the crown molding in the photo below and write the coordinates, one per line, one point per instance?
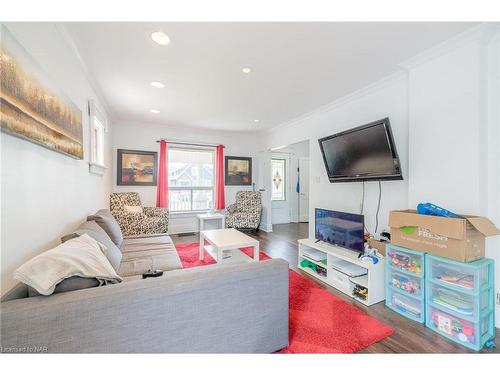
(364, 91)
(181, 128)
(480, 33)
(66, 34)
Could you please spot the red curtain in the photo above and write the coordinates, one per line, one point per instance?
(162, 187)
(220, 201)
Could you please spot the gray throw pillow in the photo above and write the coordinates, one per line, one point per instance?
(108, 222)
(91, 228)
(69, 284)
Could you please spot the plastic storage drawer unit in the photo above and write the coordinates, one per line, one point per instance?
(460, 300)
(405, 260)
(410, 307)
(405, 282)
(464, 277)
(465, 332)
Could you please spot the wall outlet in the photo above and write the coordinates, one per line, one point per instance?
(498, 298)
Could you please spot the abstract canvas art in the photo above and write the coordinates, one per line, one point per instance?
(137, 168)
(238, 170)
(31, 106)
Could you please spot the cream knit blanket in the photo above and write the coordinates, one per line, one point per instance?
(81, 256)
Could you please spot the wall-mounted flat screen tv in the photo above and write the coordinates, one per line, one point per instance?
(340, 228)
(364, 153)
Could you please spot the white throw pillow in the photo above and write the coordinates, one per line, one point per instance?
(81, 256)
(133, 209)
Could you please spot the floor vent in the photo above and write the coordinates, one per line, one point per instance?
(187, 234)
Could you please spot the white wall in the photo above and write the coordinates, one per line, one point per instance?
(454, 131)
(46, 194)
(144, 136)
(444, 131)
(385, 99)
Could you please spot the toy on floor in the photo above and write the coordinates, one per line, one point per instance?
(452, 301)
(461, 329)
(404, 283)
(405, 263)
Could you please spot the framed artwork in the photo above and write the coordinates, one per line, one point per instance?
(238, 170)
(138, 168)
(31, 106)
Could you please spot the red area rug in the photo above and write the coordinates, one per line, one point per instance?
(320, 322)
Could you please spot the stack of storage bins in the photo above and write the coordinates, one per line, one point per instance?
(405, 282)
(460, 300)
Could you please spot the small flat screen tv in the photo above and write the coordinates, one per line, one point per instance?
(340, 228)
(364, 153)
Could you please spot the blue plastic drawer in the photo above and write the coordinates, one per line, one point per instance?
(464, 305)
(410, 307)
(462, 331)
(465, 277)
(405, 260)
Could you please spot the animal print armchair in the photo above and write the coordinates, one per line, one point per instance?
(135, 219)
(246, 212)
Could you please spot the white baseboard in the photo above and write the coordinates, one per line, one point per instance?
(266, 227)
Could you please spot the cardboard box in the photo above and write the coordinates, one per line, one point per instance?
(379, 245)
(459, 239)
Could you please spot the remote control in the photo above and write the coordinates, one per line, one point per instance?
(151, 273)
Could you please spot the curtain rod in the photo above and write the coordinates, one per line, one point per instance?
(190, 144)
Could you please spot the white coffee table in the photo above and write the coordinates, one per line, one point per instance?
(228, 241)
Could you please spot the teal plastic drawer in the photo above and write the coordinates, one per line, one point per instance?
(463, 277)
(470, 334)
(410, 307)
(405, 260)
(461, 304)
(405, 283)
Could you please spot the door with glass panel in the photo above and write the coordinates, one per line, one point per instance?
(280, 191)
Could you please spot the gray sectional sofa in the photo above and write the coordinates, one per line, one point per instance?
(240, 308)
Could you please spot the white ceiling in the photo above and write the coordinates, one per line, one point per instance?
(297, 67)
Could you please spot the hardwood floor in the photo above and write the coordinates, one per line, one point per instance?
(408, 336)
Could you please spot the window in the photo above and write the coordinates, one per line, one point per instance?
(97, 130)
(190, 179)
(278, 167)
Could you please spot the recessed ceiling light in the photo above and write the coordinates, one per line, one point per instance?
(246, 70)
(256, 120)
(155, 111)
(157, 84)
(160, 38)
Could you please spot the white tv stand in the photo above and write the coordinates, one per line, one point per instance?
(373, 280)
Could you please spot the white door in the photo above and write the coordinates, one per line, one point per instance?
(304, 190)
